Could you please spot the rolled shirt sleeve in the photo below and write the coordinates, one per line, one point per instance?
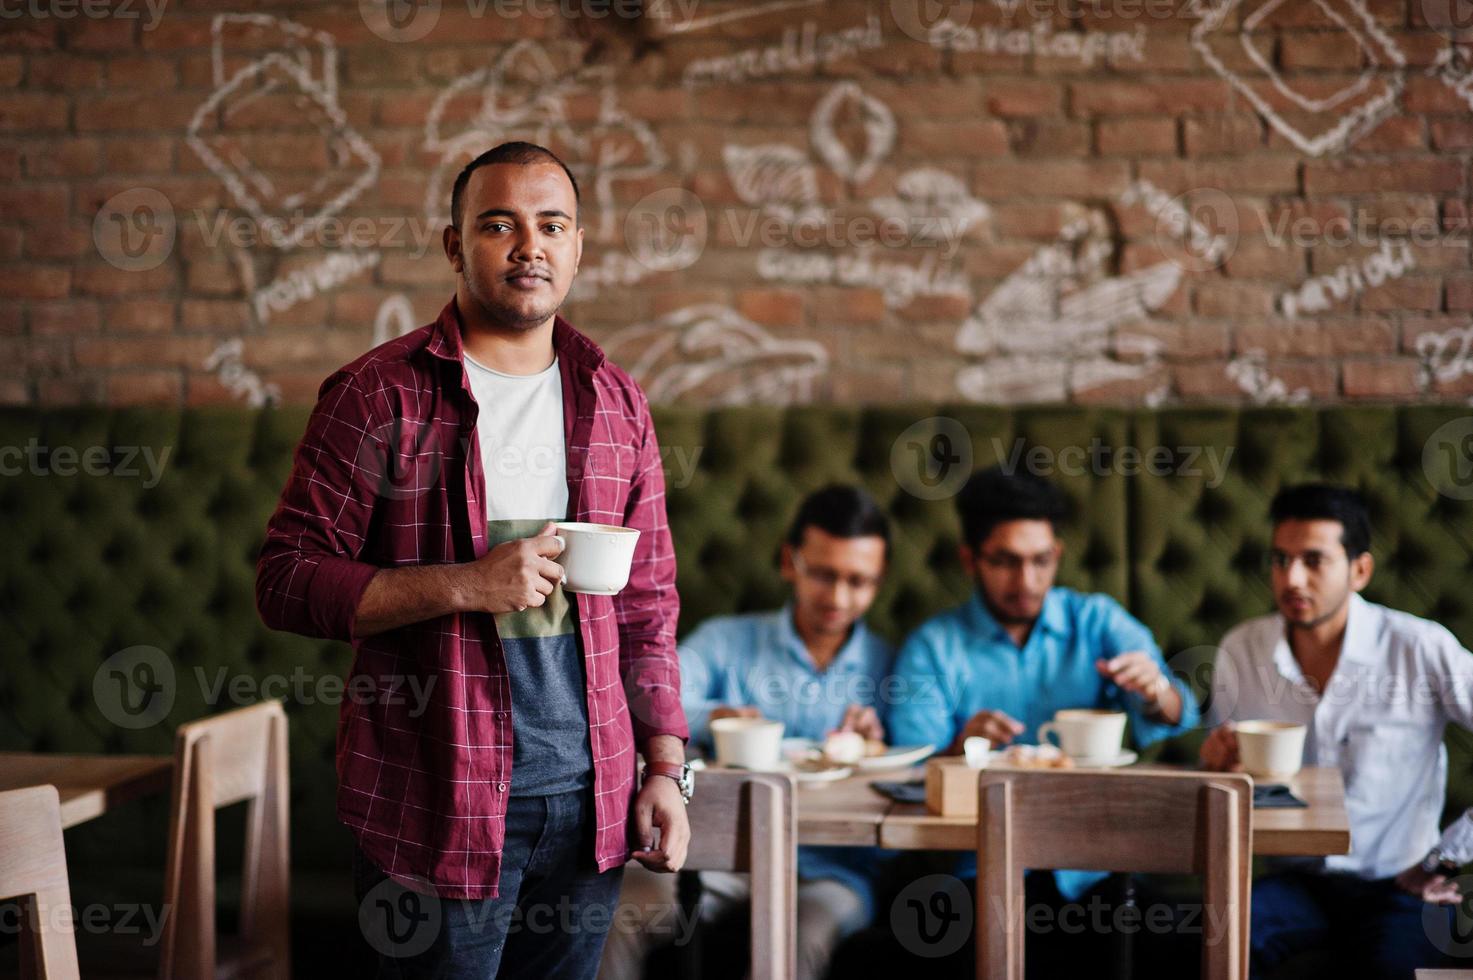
(308, 576)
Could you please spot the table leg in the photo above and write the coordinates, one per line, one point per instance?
(1120, 886)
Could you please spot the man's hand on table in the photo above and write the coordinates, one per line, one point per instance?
(1432, 887)
(863, 718)
(995, 726)
(1220, 750)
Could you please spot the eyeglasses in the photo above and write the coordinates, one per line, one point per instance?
(828, 578)
(1314, 561)
(1008, 562)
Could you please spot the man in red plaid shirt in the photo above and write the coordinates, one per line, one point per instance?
(491, 818)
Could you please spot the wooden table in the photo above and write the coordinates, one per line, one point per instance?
(849, 812)
(89, 785)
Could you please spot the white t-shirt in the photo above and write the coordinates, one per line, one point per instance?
(523, 455)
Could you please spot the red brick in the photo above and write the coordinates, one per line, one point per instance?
(1214, 135)
(63, 158)
(1180, 96)
(1356, 176)
(34, 204)
(12, 70)
(57, 241)
(1452, 134)
(32, 112)
(1460, 295)
(1383, 378)
(105, 280)
(64, 72)
(35, 282)
(1231, 299)
(1049, 138)
(1422, 293)
(145, 112)
(65, 318)
(1135, 137)
(771, 307)
(1394, 135)
(139, 155)
(965, 139)
(1257, 174)
(106, 33)
(1327, 338)
(1016, 97)
(1048, 178)
(139, 316)
(142, 72)
(153, 351)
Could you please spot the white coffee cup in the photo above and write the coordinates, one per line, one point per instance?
(1270, 749)
(595, 557)
(1086, 735)
(976, 749)
(751, 743)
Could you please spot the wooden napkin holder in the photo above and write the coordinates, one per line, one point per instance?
(951, 786)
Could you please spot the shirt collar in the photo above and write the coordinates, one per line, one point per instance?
(446, 343)
(788, 636)
(1052, 618)
(1356, 646)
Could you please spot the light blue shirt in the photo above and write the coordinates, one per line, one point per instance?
(758, 660)
(963, 661)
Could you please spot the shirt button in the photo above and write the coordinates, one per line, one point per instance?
(501, 787)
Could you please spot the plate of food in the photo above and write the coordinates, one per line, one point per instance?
(853, 749)
(1050, 757)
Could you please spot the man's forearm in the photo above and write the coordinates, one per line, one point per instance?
(399, 596)
(663, 748)
(1168, 708)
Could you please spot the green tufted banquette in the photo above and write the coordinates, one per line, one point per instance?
(97, 564)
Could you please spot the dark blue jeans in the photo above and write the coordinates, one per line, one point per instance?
(1372, 927)
(550, 919)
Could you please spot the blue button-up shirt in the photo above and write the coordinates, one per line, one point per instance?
(963, 661)
(758, 660)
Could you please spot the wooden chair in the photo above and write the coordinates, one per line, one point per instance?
(748, 822)
(233, 757)
(1162, 822)
(33, 868)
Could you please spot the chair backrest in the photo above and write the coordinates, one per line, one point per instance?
(1163, 822)
(233, 757)
(33, 868)
(747, 822)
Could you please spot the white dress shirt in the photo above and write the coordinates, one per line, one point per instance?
(1380, 719)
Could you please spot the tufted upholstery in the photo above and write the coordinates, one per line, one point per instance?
(96, 564)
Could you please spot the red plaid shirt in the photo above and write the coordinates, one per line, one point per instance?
(389, 474)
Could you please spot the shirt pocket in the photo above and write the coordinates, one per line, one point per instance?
(1380, 762)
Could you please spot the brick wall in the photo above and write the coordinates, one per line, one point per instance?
(1122, 201)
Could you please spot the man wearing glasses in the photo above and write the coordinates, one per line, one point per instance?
(1022, 649)
(812, 665)
(1376, 688)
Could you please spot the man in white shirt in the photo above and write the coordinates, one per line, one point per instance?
(1375, 688)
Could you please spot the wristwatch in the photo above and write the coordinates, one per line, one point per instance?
(1435, 863)
(680, 772)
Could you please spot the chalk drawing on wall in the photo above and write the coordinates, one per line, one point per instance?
(1060, 308)
(1039, 40)
(395, 318)
(934, 204)
(301, 285)
(876, 124)
(680, 17)
(1389, 262)
(227, 362)
(802, 49)
(779, 179)
(287, 206)
(1454, 65)
(1250, 373)
(237, 39)
(712, 354)
(1321, 123)
(1446, 355)
(524, 96)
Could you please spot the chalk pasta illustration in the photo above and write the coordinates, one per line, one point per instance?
(713, 355)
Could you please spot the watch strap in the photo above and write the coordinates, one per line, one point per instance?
(675, 770)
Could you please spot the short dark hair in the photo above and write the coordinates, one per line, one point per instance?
(514, 152)
(843, 511)
(1326, 502)
(995, 496)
